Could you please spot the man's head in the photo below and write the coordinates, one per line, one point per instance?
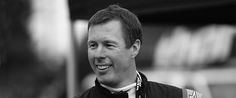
(114, 40)
(131, 26)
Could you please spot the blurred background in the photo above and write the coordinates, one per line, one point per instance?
(187, 43)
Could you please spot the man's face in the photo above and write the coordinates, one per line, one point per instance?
(109, 58)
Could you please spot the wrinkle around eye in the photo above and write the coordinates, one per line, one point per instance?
(92, 45)
(110, 45)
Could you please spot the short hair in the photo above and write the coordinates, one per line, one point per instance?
(131, 26)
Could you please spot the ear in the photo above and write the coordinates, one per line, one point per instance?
(135, 48)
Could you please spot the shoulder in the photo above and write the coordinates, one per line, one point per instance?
(172, 91)
(164, 87)
(159, 89)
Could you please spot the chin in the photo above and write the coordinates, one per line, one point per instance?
(107, 80)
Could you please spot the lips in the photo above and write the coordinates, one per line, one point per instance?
(103, 66)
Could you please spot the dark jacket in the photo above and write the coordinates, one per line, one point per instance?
(148, 89)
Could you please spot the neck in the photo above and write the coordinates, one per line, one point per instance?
(126, 88)
(129, 78)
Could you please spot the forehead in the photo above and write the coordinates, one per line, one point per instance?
(108, 30)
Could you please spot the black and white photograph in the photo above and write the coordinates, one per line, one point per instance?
(117, 48)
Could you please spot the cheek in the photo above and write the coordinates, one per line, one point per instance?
(90, 53)
(122, 57)
(90, 57)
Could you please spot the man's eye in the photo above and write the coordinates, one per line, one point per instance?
(109, 45)
(92, 45)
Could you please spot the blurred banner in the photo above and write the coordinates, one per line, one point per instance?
(191, 49)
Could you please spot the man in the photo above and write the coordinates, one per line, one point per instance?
(114, 40)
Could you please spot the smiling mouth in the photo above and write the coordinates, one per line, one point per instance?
(103, 67)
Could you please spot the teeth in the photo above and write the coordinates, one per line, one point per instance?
(102, 67)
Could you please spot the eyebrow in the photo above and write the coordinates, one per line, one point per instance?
(90, 41)
(104, 41)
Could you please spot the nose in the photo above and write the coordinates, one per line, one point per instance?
(99, 53)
